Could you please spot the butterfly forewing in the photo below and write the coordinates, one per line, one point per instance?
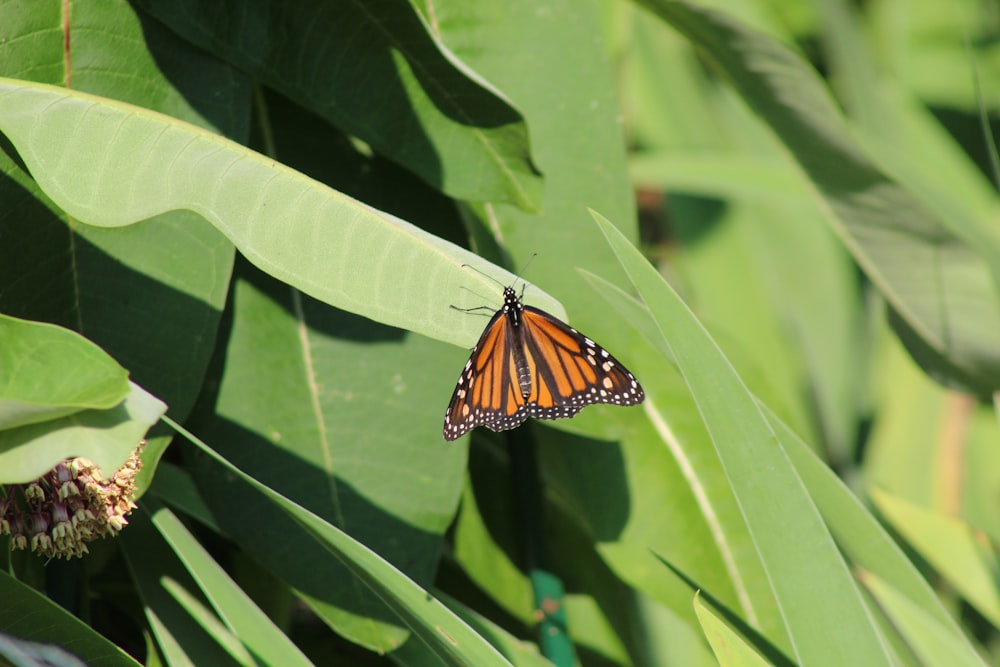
(529, 364)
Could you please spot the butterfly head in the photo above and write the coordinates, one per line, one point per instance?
(512, 306)
(511, 300)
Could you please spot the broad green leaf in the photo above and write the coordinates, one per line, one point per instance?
(928, 638)
(962, 556)
(663, 87)
(243, 618)
(897, 125)
(48, 372)
(818, 600)
(27, 614)
(106, 437)
(935, 43)
(576, 139)
(111, 165)
(378, 72)
(343, 416)
(150, 294)
(942, 292)
(453, 641)
(478, 546)
(720, 174)
(729, 647)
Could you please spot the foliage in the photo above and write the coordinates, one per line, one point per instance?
(264, 213)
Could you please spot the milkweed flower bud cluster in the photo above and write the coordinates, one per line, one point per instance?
(72, 504)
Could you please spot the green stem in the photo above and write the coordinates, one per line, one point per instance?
(549, 595)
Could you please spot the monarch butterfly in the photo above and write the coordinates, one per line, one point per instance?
(529, 364)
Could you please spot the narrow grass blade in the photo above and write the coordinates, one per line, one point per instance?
(818, 599)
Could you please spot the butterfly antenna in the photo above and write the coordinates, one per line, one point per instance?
(482, 273)
(473, 292)
(517, 277)
(520, 273)
(524, 268)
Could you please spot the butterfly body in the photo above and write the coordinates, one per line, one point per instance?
(526, 364)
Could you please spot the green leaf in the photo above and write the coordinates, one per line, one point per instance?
(175, 484)
(243, 618)
(729, 647)
(106, 437)
(27, 614)
(378, 72)
(942, 292)
(186, 628)
(959, 554)
(111, 164)
(719, 174)
(895, 121)
(126, 289)
(519, 652)
(680, 505)
(311, 402)
(48, 372)
(778, 329)
(859, 534)
(488, 539)
(769, 492)
(478, 544)
(576, 140)
(928, 638)
(451, 639)
(902, 452)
